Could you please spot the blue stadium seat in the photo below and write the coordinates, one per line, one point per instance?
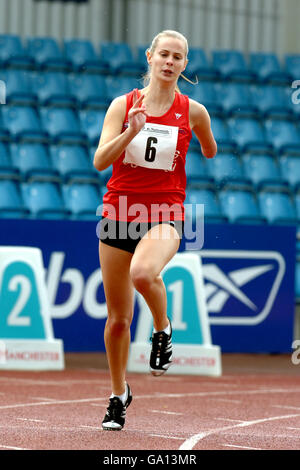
(91, 122)
(121, 60)
(140, 53)
(235, 99)
(196, 169)
(231, 64)
(268, 69)
(73, 164)
(47, 54)
(226, 167)
(240, 206)
(271, 100)
(4, 132)
(32, 161)
(204, 92)
(11, 203)
(52, 89)
(62, 125)
(89, 90)
(248, 134)
(262, 169)
(7, 169)
(277, 207)
(282, 134)
(83, 56)
(117, 86)
(18, 87)
(221, 134)
(82, 200)
(199, 66)
(292, 65)
(290, 169)
(292, 93)
(207, 197)
(44, 200)
(297, 206)
(104, 174)
(13, 54)
(23, 123)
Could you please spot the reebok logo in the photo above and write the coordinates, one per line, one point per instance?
(233, 280)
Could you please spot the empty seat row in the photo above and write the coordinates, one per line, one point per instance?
(28, 161)
(241, 99)
(24, 87)
(257, 169)
(72, 54)
(237, 205)
(251, 134)
(24, 123)
(45, 199)
(82, 126)
(96, 90)
(36, 161)
(120, 58)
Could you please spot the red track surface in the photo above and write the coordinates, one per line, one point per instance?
(255, 404)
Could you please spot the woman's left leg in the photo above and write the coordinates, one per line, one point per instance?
(152, 253)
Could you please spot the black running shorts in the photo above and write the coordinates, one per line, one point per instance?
(126, 235)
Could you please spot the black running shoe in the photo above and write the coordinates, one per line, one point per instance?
(114, 419)
(161, 354)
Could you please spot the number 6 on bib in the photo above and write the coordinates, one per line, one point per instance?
(153, 147)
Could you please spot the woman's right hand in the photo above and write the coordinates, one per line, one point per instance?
(137, 113)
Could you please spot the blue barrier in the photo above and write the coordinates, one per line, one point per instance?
(249, 274)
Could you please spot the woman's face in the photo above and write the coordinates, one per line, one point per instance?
(168, 60)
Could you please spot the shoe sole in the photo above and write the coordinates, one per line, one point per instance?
(158, 372)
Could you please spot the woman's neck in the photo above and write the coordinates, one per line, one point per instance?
(158, 97)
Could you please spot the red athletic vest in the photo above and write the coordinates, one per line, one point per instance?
(149, 180)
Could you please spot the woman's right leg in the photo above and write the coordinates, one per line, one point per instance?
(119, 293)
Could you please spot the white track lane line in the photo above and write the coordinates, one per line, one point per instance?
(287, 407)
(33, 420)
(241, 447)
(167, 437)
(12, 447)
(58, 383)
(158, 395)
(190, 443)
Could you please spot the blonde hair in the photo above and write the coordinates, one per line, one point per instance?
(151, 49)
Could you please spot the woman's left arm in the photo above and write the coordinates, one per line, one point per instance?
(201, 126)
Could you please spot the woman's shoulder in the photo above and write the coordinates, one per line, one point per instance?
(197, 111)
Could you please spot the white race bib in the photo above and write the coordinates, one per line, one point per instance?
(153, 147)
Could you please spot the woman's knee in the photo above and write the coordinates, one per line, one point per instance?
(141, 276)
(117, 325)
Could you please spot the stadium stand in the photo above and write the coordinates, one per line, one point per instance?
(57, 96)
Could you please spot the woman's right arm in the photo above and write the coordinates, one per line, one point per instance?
(113, 141)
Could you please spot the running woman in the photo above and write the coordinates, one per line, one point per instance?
(145, 136)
